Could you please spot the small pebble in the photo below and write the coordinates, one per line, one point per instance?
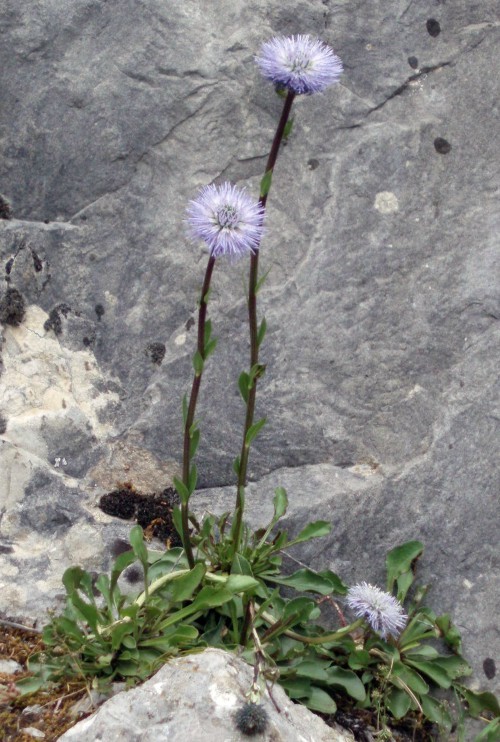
(10, 667)
(36, 733)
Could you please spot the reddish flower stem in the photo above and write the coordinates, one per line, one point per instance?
(254, 346)
(195, 388)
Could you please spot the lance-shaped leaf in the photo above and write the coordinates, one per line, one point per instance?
(253, 431)
(265, 183)
(313, 530)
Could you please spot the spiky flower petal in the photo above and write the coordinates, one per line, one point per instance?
(383, 612)
(226, 219)
(300, 63)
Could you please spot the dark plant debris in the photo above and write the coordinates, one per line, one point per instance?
(153, 512)
(12, 307)
(54, 322)
(363, 723)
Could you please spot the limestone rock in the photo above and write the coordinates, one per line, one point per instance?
(195, 697)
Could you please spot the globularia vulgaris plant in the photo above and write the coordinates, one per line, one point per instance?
(224, 587)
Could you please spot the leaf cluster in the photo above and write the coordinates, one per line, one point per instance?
(246, 602)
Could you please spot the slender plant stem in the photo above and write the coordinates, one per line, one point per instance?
(186, 456)
(254, 345)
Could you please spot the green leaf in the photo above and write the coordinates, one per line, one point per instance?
(136, 539)
(419, 628)
(298, 609)
(236, 466)
(103, 585)
(75, 579)
(241, 583)
(253, 431)
(194, 442)
(313, 669)
(265, 183)
(491, 732)
(262, 331)
(184, 410)
(121, 563)
(261, 281)
(413, 680)
(30, 685)
(184, 587)
(404, 582)
(432, 671)
(422, 652)
(305, 580)
(198, 363)
(129, 642)
(398, 702)
(256, 372)
(177, 519)
(455, 666)
(288, 128)
(449, 632)
(210, 347)
(280, 502)
(478, 701)
(193, 478)
(296, 687)
(359, 659)
(118, 632)
(400, 560)
(208, 597)
(347, 680)
(320, 700)
(338, 586)
(313, 530)
(207, 331)
(436, 712)
(182, 490)
(243, 385)
(241, 566)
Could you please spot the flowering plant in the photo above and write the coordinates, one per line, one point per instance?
(223, 586)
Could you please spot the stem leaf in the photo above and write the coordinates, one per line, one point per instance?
(243, 385)
(253, 431)
(262, 331)
(198, 363)
(313, 530)
(280, 502)
(265, 183)
(236, 466)
(288, 128)
(182, 490)
(193, 478)
(194, 442)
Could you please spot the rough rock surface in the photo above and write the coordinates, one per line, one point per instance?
(170, 706)
(382, 392)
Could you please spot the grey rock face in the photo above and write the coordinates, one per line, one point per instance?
(382, 301)
(196, 697)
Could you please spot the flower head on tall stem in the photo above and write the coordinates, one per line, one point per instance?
(300, 63)
(226, 219)
(383, 612)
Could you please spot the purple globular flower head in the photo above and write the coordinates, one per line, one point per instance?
(301, 63)
(383, 612)
(226, 219)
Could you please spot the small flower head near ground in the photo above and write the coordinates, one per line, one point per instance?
(300, 63)
(383, 612)
(251, 719)
(226, 219)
